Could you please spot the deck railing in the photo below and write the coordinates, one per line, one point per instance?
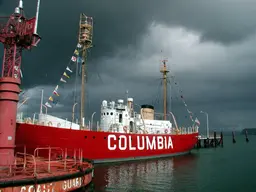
(184, 130)
(43, 160)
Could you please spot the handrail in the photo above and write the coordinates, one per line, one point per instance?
(51, 162)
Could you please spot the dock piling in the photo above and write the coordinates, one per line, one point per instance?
(233, 137)
(213, 141)
(221, 139)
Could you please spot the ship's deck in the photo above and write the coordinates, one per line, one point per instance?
(27, 166)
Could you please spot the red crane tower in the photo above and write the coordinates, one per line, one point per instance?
(16, 33)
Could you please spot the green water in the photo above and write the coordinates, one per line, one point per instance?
(228, 169)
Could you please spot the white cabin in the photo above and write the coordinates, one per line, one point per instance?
(120, 117)
(116, 117)
(48, 120)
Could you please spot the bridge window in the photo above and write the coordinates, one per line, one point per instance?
(107, 113)
(120, 118)
(111, 113)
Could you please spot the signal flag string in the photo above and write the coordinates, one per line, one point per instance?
(179, 90)
(55, 97)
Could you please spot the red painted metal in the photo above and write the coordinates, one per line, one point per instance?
(59, 186)
(16, 33)
(95, 144)
(9, 90)
(56, 164)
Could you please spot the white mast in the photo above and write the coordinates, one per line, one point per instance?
(127, 95)
(21, 4)
(42, 98)
(37, 15)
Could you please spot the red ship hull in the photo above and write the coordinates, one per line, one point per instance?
(106, 146)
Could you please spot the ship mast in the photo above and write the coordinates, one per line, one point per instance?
(85, 40)
(164, 71)
(16, 33)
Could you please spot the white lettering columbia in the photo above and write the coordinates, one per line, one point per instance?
(143, 142)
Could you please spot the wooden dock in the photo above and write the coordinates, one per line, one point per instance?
(211, 142)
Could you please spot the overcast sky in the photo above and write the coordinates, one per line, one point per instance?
(210, 46)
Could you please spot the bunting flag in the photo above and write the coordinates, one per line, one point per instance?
(79, 45)
(50, 98)
(73, 58)
(69, 70)
(56, 93)
(66, 75)
(80, 60)
(183, 100)
(56, 88)
(76, 52)
(189, 112)
(48, 105)
(197, 121)
(63, 80)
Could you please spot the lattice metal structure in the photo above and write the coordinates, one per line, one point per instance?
(16, 33)
(85, 30)
(85, 40)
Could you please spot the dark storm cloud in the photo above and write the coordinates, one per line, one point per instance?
(119, 25)
(222, 21)
(210, 46)
(116, 24)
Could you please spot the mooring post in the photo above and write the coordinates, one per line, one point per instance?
(221, 139)
(233, 137)
(246, 136)
(215, 140)
(198, 143)
(208, 142)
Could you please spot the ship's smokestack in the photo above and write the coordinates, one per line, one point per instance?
(148, 112)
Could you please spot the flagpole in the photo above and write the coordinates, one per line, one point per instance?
(164, 71)
(85, 40)
(41, 106)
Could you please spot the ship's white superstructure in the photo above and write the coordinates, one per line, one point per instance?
(48, 120)
(121, 117)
